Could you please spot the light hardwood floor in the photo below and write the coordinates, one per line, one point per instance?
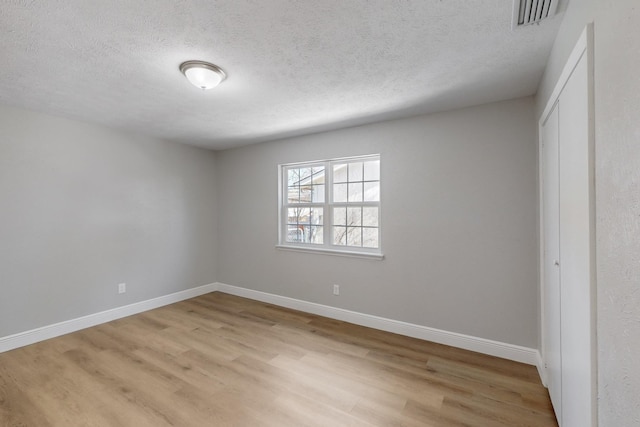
(221, 360)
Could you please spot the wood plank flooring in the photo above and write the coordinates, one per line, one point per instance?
(221, 360)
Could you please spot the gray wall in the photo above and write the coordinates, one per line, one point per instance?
(83, 208)
(458, 217)
(617, 133)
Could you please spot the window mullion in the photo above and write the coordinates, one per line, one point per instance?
(284, 173)
(328, 194)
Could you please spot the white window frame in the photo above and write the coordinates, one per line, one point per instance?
(327, 247)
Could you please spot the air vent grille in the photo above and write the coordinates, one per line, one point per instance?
(527, 12)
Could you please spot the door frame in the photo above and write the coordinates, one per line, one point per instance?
(550, 179)
(584, 46)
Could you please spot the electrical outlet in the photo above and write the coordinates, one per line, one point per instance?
(122, 288)
(336, 289)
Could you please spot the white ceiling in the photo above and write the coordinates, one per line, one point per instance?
(293, 66)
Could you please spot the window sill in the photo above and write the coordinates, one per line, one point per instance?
(350, 254)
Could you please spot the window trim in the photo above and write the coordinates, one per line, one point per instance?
(324, 251)
(326, 248)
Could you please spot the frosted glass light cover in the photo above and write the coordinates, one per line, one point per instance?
(203, 78)
(202, 75)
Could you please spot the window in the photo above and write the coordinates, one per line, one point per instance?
(331, 205)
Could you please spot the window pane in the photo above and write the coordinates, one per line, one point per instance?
(315, 216)
(340, 236)
(340, 216)
(318, 175)
(316, 235)
(370, 217)
(305, 175)
(372, 170)
(317, 194)
(293, 215)
(339, 193)
(293, 194)
(293, 177)
(354, 216)
(306, 185)
(295, 234)
(370, 237)
(340, 172)
(354, 236)
(305, 193)
(355, 192)
(355, 172)
(371, 191)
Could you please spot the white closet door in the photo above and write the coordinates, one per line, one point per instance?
(568, 237)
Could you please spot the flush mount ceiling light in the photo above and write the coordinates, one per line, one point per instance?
(203, 75)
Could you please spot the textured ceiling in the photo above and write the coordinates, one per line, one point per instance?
(294, 66)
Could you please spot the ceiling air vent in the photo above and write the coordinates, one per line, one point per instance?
(527, 12)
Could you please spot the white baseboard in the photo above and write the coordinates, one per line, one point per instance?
(517, 353)
(51, 331)
(494, 348)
